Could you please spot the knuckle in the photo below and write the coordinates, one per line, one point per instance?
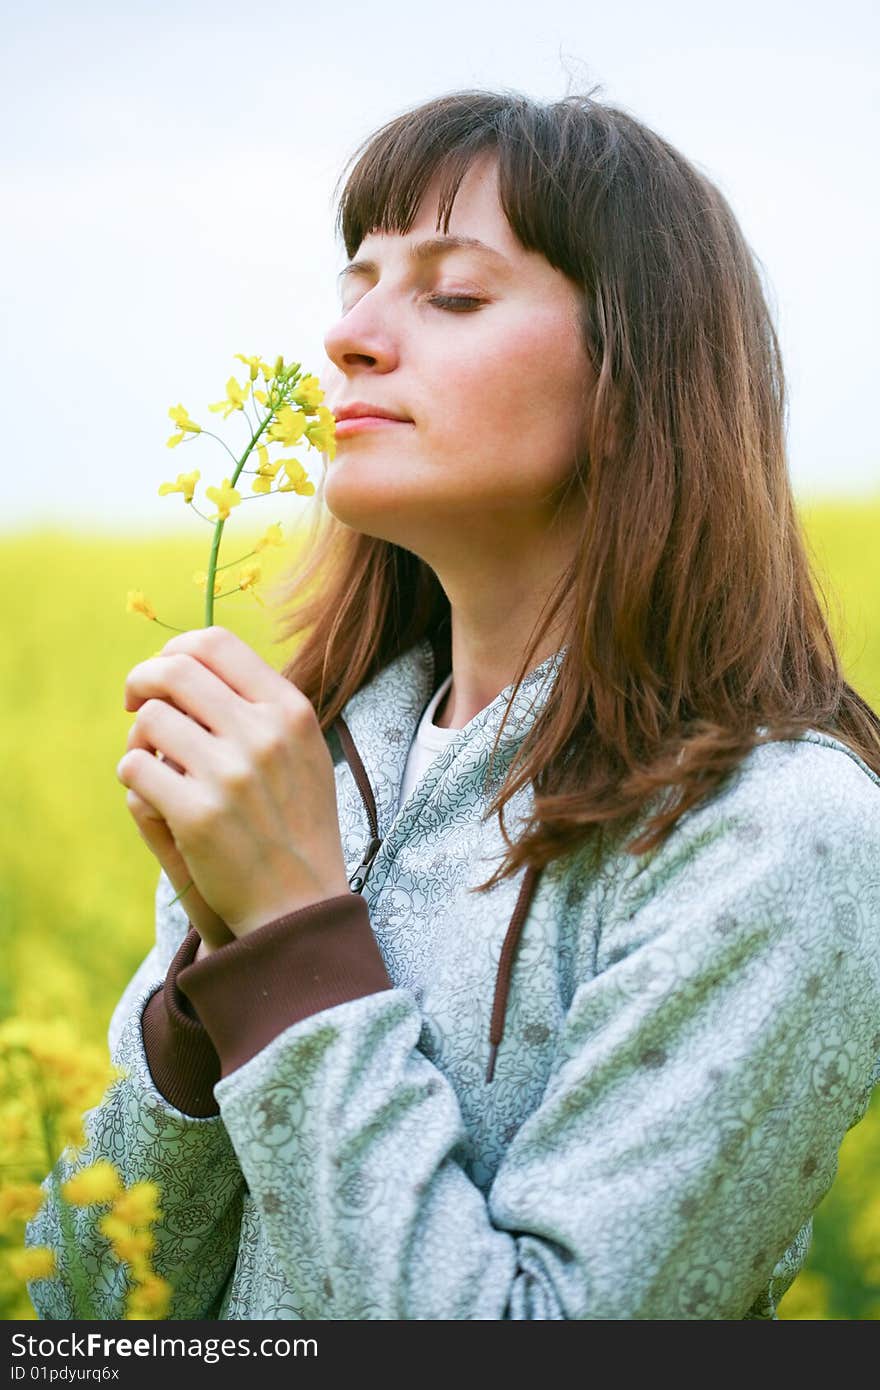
(149, 713)
(202, 820)
(237, 775)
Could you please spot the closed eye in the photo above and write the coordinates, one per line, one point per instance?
(449, 301)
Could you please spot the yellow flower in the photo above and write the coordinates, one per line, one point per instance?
(288, 426)
(133, 1246)
(261, 397)
(186, 483)
(200, 577)
(34, 1262)
(308, 392)
(321, 433)
(248, 576)
(185, 424)
(113, 1227)
(136, 603)
(235, 397)
(98, 1183)
(298, 480)
(271, 536)
(138, 1204)
(266, 471)
(150, 1299)
(225, 497)
(20, 1201)
(255, 363)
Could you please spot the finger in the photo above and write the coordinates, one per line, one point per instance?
(172, 795)
(237, 664)
(140, 809)
(178, 742)
(137, 739)
(185, 684)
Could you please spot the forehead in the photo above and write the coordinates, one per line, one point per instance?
(475, 212)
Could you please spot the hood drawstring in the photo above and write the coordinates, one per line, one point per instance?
(520, 912)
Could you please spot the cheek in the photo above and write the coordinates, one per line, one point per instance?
(526, 383)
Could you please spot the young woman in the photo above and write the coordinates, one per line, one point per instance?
(391, 1060)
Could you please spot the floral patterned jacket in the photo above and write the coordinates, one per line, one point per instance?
(608, 1092)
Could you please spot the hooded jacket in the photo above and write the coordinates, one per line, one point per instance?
(614, 1091)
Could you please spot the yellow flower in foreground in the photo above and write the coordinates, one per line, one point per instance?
(35, 1262)
(288, 426)
(225, 497)
(235, 397)
(150, 1299)
(136, 603)
(186, 483)
(200, 577)
(271, 536)
(184, 423)
(321, 433)
(308, 392)
(138, 1204)
(134, 1246)
(20, 1201)
(98, 1183)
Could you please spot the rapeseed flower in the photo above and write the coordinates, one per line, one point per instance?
(185, 425)
(321, 433)
(289, 427)
(225, 497)
(137, 603)
(186, 483)
(235, 398)
(201, 579)
(308, 393)
(34, 1262)
(138, 1204)
(255, 364)
(98, 1183)
(20, 1201)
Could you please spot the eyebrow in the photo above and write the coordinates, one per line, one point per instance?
(424, 251)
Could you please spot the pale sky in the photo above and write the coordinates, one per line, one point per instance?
(167, 172)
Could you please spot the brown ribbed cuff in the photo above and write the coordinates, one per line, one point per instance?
(182, 1058)
(250, 990)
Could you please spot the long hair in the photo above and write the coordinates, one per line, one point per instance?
(693, 627)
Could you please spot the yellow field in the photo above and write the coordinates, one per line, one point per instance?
(77, 883)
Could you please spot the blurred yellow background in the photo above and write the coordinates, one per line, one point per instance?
(77, 883)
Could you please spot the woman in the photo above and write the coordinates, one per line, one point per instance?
(566, 581)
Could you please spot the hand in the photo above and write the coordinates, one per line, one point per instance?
(247, 790)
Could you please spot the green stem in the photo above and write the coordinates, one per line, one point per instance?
(180, 894)
(218, 529)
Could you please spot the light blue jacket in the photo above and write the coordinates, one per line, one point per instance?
(687, 1036)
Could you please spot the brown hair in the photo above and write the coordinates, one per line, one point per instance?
(692, 617)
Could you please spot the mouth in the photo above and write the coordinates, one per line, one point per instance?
(355, 423)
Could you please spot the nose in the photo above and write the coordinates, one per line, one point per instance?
(362, 337)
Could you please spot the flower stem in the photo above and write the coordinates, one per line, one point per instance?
(218, 529)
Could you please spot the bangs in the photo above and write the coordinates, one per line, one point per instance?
(394, 167)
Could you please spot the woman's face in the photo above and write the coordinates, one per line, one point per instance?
(493, 386)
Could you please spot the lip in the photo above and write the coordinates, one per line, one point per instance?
(365, 422)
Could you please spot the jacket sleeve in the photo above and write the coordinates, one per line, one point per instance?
(148, 1137)
(703, 1081)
